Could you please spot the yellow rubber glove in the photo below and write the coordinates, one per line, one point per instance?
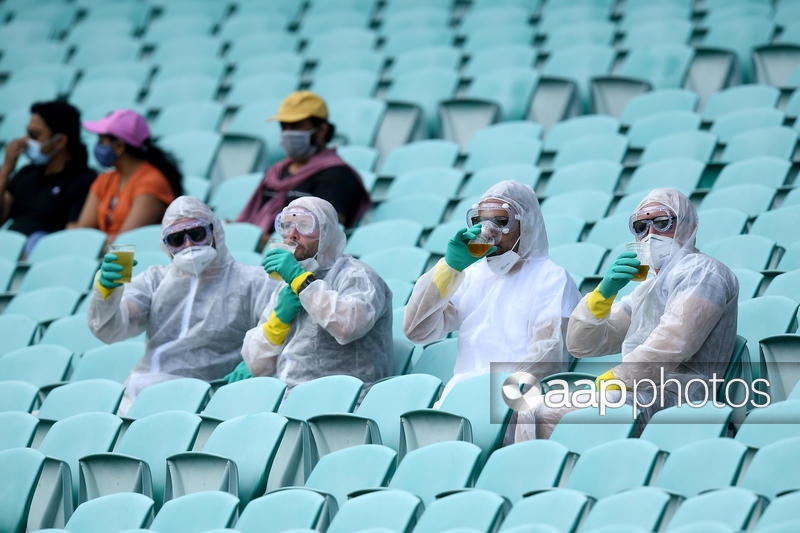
(607, 376)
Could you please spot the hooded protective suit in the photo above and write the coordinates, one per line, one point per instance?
(510, 308)
(345, 326)
(682, 320)
(194, 324)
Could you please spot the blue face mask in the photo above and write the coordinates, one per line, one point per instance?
(104, 153)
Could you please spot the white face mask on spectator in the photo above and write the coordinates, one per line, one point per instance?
(195, 259)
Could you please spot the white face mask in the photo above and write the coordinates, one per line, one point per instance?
(503, 263)
(34, 152)
(310, 264)
(659, 248)
(195, 259)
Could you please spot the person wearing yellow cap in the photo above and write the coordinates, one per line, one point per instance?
(310, 168)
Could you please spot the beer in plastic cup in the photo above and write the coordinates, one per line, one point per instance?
(124, 253)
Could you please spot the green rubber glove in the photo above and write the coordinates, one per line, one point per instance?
(288, 305)
(457, 256)
(619, 274)
(110, 272)
(239, 373)
(284, 263)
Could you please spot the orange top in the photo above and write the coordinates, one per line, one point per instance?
(115, 204)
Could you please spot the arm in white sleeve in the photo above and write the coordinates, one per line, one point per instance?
(348, 307)
(546, 351)
(429, 314)
(589, 336)
(124, 313)
(258, 352)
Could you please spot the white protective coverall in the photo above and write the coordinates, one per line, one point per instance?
(510, 308)
(345, 326)
(194, 324)
(682, 319)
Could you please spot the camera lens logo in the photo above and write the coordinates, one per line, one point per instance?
(513, 387)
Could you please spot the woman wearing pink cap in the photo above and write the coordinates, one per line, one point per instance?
(143, 182)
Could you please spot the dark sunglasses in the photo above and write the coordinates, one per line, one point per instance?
(197, 234)
(661, 224)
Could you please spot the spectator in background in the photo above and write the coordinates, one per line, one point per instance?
(309, 169)
(142, 184)
(47, 194)
(333, 314)
(195, 311)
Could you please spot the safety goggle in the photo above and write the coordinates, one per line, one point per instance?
(503, 221)
(660, 223)
(197, 234)
(304, 223)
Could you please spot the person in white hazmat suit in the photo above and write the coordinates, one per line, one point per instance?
(510, 305)
(333, 313)
(679, 322)
(195, 311)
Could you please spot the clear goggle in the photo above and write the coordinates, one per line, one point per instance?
(660, 217)
(503, 216)
(304, 222)
(201, 234)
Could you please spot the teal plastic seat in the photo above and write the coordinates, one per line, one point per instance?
(357, 117)
(441, 181)
(693, 144)
(136, 71)
(562, 509)
(255, 43)
(510, 130)
(19, 428)
(75, 272)
(88, 241)
(195, 150)
(368, 60)
(773, 470)
(610, 231)
(765, 170)
(89, 395)
(74, 437)
(121, 511)
(682, 173)
(12, 242)
(657, 125)
(364, 466)
(23, 93)
(383, 234)
(352, 83)
(199, 511)
(480, 180)
(770, 424)
(590, 205)
(110, 93)
(595, 174)
(288, 62)
(659, 101)
(735, 507)
(477, 510)
(658, 24)
(752, 198)
(647, 508)
(376, 419)
(252, 88)
(39, 365)
(563, 229)
(230, 196)
(361, 158)
(484, 153)
(719, 223)
(187, 113)
(24, 466)
(400, 262)
(641, 457)
(180, 394)
(460, 418)
(715, 462)
(110, 361)
(395, 510)
(743, 251)
(584, 429)
(580, 62)
(510, 88)
(599, 32)
(779, 351)
(419, 154)
(436, 468)
(340, 39)
(662, 65)
(283, 510)
(572, 128)
(437, 240)
(16, 330)
(46, 73)
(765, 316)
(676, 426)
(580, 259)
(144, 237)
(538, 465)
(178, 46)
(248, 396)
(72, 332)
(138, 463)
(224, 463)
(749, 282)
(773, 224)
(592, 147)
(781, 510)
(790, 260)
(437, 359)
(778, 141)
(730, 124)
(17, 395)
(410, 37)
(740, 35)
(737, 98)
(422, 58)
(500, 56)
(32, 53)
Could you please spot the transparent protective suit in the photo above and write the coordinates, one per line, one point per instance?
(194, 324)
(513, 313)
(345, 325)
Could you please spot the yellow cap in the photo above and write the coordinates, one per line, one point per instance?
(301, 105)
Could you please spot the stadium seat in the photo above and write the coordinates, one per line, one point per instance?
(717, 223)
(18, 395)
(351, 83)
(596, 174)
(748, 250)
(230, 196)
(657, 102)
(186, 114)
(480, 181)
(580, 62)
(564, 229)
(179, 394)
(477, 510)
(84, 396)
(682, 173)
(485, 153)
(348, 470)
(442, 181)
(437, 359)
(400, 262)
(589, 204)
(563, 509)
(573, 128)
(39, 365)
(645, 507)
(284, 510)
(728, 125)
(773, 470)
(765, 316)
(657, 125)
(121, 511)
(734, 506)
(71, 332)
(750, 198)
(610, 231)
(195, 150)
(19, 428)
(396, 510)
(224, 463)
(88, 241)
(715, 462)
(749, 282)
(737, 98)
(772, 423)
(419, 154)
(110, 361)
(24, 466)
(17, 331)
(773, 224)
(692, 144)
(676, 426)
(778, 141)
(611, 147)
(11, 242)
(764, 170)
(199, 511)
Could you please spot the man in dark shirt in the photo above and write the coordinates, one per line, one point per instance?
(310, 168)
(47, 194)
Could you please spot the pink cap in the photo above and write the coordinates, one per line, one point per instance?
(124, 124)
